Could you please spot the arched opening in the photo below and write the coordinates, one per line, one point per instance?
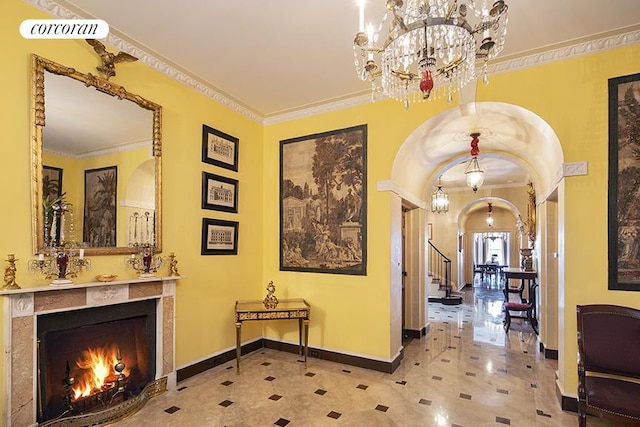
(510, 136)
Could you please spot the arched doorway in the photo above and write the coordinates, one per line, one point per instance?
(508, 132)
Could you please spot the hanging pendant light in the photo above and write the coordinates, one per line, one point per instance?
(489, 216)
(439, 199)
(475, 175)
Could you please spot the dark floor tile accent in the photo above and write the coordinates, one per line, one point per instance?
(227, 383)
(275, 397)
(437, 378)
(502, 371)
(445, 360)
(182, 388)
(503, 391)
(452, 347)
(475, 357)
(424, 402)
(470, 374)
(309, 374)
(382, 408)
(362, 386)
(346, 371)
(465, 396)
(229, 367)
(457, 336)
(501, 420)
(225, 403)
(529, 366)
(534, 385)
(270, 378)
(265, 363)
(333, 414)
(542, 414)
(172, 410)
(321, 392)
(403, 382)
(417, 364)
(456, 425)
(525, 352)
(282, 422)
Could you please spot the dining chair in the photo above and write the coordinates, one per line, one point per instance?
(524, 306)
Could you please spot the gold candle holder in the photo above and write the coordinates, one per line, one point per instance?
(173, 265)
(10, 273)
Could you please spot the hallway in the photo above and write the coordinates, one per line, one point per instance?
(465, 372)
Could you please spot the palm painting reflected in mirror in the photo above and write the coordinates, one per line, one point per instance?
(106, 144)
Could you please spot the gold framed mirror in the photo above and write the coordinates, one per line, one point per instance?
(96, 163)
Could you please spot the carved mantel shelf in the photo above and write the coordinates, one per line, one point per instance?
(47, 288)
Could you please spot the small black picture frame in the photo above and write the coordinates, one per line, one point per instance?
(219, 237)
(219, 148)
(219, 193)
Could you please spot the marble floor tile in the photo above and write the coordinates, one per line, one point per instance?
(466, 372)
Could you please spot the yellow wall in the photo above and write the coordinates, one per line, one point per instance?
(205, 298)
(350, 314)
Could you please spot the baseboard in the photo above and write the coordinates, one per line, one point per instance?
(412, 333)
(567, 403)
(548, 352)
(332, 356)
(206, 364)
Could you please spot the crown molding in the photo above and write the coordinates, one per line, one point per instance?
(152, 61)
(545, 57)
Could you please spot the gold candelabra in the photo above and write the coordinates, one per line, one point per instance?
(61, 263)
(145, 263)
(10, 273)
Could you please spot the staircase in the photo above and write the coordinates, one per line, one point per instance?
(440, 272)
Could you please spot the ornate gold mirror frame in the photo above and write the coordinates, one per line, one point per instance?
(39, 67)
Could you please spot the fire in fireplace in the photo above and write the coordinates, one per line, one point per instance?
(95, 358)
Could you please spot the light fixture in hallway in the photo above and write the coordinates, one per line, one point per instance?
(439, 199)
(427, 47)
(489, 215)
(475, 175)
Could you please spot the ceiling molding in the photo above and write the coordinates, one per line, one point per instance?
(552, 55)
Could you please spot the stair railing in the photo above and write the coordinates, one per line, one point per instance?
(440, 267)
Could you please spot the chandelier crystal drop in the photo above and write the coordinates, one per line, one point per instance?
(475, 175)
(428, 48)
(439, 199)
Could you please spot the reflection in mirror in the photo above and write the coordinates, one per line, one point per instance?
(97, 163)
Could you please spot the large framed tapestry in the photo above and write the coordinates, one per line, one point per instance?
(323, 202)
(100, 194)
(624, 180)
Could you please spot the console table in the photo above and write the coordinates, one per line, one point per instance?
(296, 308)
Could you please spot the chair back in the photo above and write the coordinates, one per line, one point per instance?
(609, 339)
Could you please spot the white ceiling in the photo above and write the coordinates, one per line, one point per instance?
(278, 56)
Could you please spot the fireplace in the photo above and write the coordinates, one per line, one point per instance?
(93, 359)
(45, 325)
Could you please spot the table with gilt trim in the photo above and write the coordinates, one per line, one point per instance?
(295, 308)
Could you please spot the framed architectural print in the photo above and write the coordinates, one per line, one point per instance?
(219, 149)
(219, 237)
(323, 202)
(219, 193)
(100, 193)
(624, 174)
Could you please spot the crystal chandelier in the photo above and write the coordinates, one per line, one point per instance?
(489, 216)
(439, 199)
(475, 175)
(428, 46)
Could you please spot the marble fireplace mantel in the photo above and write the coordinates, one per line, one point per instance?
(21, 308)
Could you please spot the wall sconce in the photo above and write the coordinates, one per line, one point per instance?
(475, 175)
